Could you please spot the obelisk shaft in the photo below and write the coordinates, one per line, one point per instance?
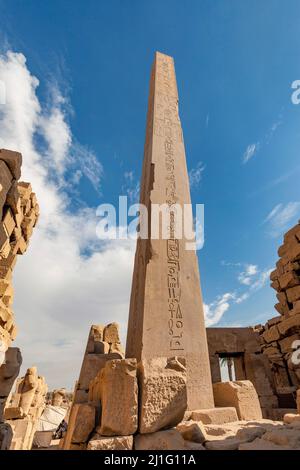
(166, 310)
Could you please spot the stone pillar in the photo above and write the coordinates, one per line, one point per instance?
(166, 309)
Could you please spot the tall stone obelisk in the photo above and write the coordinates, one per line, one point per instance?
(166, 310)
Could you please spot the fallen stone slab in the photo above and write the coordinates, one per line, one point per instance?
(98, 442)
(240, 394)
(162, 440)
(218, 415)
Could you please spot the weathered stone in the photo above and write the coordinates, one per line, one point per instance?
(98, 442)
(92, 364)
(291, 418)
(286, 344)
(161, 440)
(249, 433)
(9, 370)
(111, 333)
(293, 293)
(81, 422)
(163, 395)
(231, 443)
(217, 415)
(271, 334)
(192, 431)
(286, 325)
(284, 437)
(261, 444)
(6, 435)
(13, 160)
(119, 398)
(240, 394)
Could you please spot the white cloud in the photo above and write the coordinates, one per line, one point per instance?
(250, 152)
(214, 311)
(281, 217)
(246, 276)
(68, 279)
(195, 175)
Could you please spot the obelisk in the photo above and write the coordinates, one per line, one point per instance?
(166, 310)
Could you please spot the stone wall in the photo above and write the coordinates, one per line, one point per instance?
(25, 408)
(280, 336)
(18, 215)
(243, 346)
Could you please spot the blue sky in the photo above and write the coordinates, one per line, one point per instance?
(235, 63)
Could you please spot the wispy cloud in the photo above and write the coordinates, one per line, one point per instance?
(245, 277)
(195, 175)
(281, 217)
(214, 311)
(131, 187)
(250, 151)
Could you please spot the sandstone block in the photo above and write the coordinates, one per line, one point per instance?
(192, 431)
(111, 333)
(286, 343)
(91, 365)
(271, 334)
(261, 444)
(98, 442)
(289, 323)
(240, 394)
(81, 422)
(219, 415)
(13, 160)
(161, 440)
(119, 398)
(9, 222)
(293, 293)
(163, 395)
(289, 279)
(284, 437)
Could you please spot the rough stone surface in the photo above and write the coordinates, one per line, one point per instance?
(240, 394)
(215, 415)
(192, 431)
(119, 398)
(161, 440)
(163, 395)
(166, 315)
(82, 422)
(98, 442)
(231, 443)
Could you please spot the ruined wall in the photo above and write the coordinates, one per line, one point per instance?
(243, 345)
(280, 336)
(18, 215)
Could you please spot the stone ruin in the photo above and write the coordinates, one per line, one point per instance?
(19, 212)
(59, 397)
(25, 408)
(280, 337)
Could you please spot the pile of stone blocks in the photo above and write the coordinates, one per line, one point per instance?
(59, 397)
(19, 212)
(25, 408)
(280, 337)
(130, 406)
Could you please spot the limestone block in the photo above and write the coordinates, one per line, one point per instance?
(163, 394)
(286, 343)
(119, 398)
(161, 440)
(91, 365)
(192, 431)
(81, 422)
(289, 279)
(25, 191)
(13, 199)
(98, 442)
(13, 160)
(111, 333)
(217, 415)
(240, 394)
